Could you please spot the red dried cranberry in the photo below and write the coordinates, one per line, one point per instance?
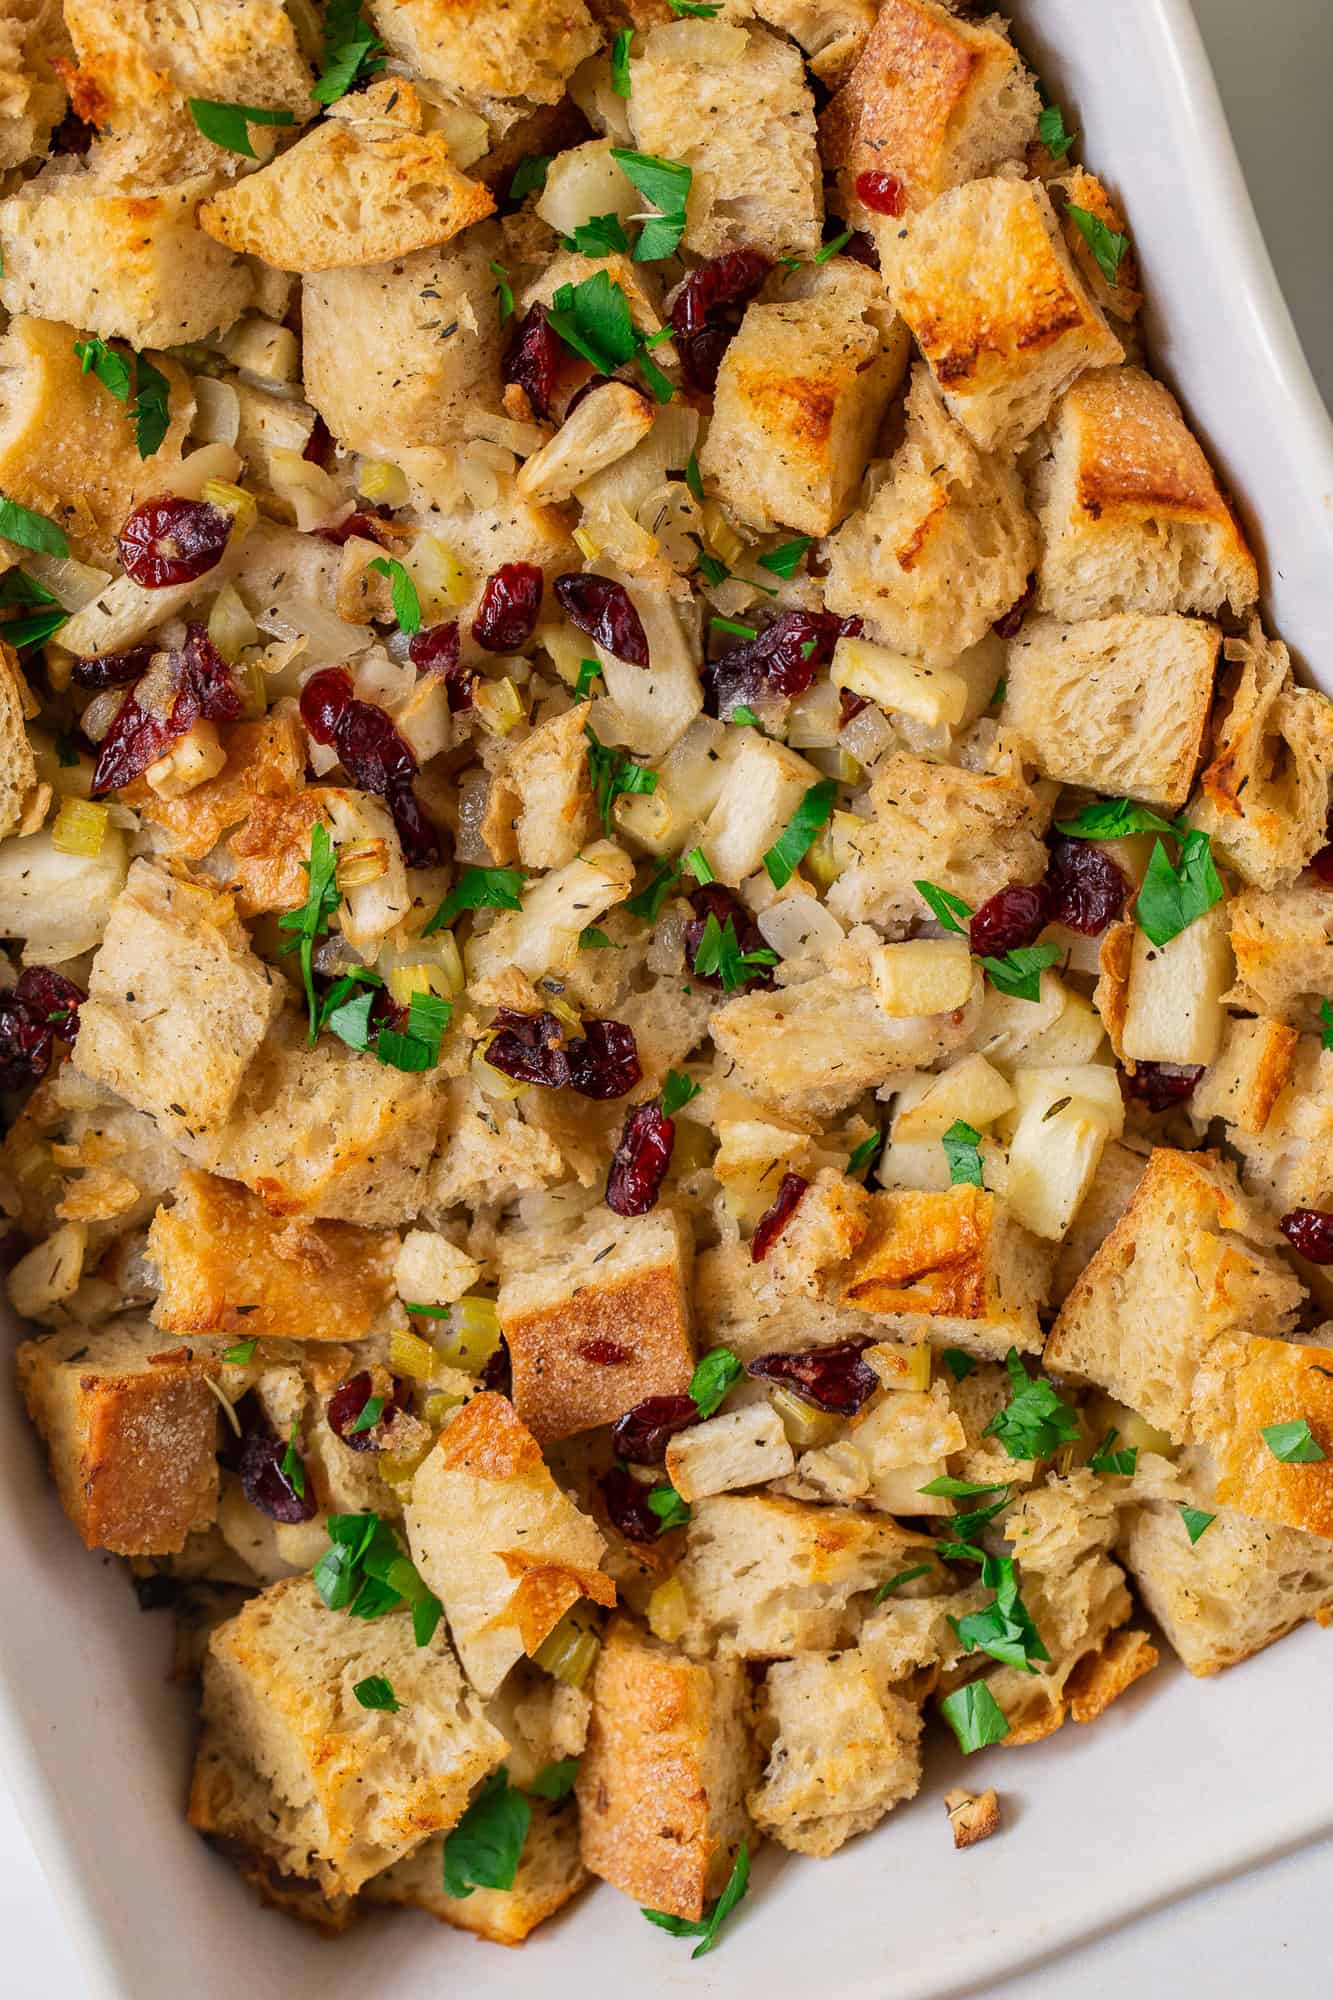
(530, 1048)
(324, 700)
(708, 309)
(1086, 889)
(710, 899)
(435, 651)
(318, 448)
(257, 1455)
(1009, 626)
(1310, 1233)
(883, 192)
(139, 736)
(643, 1433)
(639, 1163)
(111, 670)
(534, 359)
(627, 1508)
(1160, 1085)
(605, 1353)
(498, 1374)
(507, 615)
(368, 527)
(604, 1062)
(25, 1044)
(170, 540)
(1322, 864)
(791, 1192)
(51, 999)
(603, 610)
(849, 704)
(375, 757)
(73, 134)
(1009, 919)
(349, 1400)
(860, 247)
(783, 660)
(835, 1379)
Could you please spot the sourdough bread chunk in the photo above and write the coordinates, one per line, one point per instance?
(18, 766)
(1076, 1613)
(550, 1874)
(505, 1550)
(1248, 1079)
(662, 1784)
(1283, 944)
(178, 1004)
(739, 1448)
(1120, 298)
(489, 1154)
(548, 774)
(32, 94)
(1132, 517)
(1119, 1172)
(955, 1267)
(1248, 1385)
(292, 1763)
(1117, 704)
(1287, 1160)
(265, 767)
(132, 1439)
(481, 50)
(842, 1749)
(788, 1300)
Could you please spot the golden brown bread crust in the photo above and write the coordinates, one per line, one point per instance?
(1138, 456)
(1101, 1677)
(1248, 1385)
(926, 1253)
(265, 765)
(560, 1386)
(267, 851)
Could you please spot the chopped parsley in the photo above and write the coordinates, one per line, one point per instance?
(706, 1929)
(620, 49)
(292, 1468)
(484, 1849)
(1175, 895)
(311, 921)
(666, 184)
(802, 830)
(555, 1781)
(111, 369)
(599, 236)
(649, 902)
(974, 1716)
(863, 1154)
(406, 603)
(353, 52)
(594, 320)
(736, 627)
(697, 863)
(478, 889)
(716, 1373)
(376, 1692)
(428, 1312)
(677, 1091)
(961, 1145)
(719, 955)
(17, 588)
(998, 692)
(695, 10)
(959, 1364)
(831, 248)
(1019, 972)
(1112, 819)
(785, 561)
(669, 1508)
(529, 176)
(589, 671)
(1107, 245)
(711, 568)
(242, 1354)
(504, 292)
(1035, 1423)
(152, 417)
(903, 1576)
(1292, 1443)
(947, 909)
(1196, 1521)
(417, 1046)
(228, 124)
(614, 772)
(1326, 1018)
(365, 1573)
(744, 717)
(31, 531)
(592, 939)
(1051, 131)
(694, 478)
(1117, 1464)
(1003, 1628)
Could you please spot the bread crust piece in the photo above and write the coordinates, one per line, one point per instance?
(1248, 1078)
(957, 1257)
(662, 1783)
(484, 49)
(228, 1266)
(842, 1749)
(265, 767)
(1246, 1385)
(18, 766)
(550, 1874)
(32, 33)
(1287, 1161)
(1283, 943)
(132, 1440)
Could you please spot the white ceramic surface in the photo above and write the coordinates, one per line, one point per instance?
(1181, 1783)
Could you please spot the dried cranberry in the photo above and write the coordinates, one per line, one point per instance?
(257, 1455)
(324, 700)
(783, 660)
(73, 134)
(835, 1379)
(349, 1400)
(111, 670)
(1009, 919)
(436, 651)
(627, 1508)
(640, 1161)
(849, 704)
(604, 1062)
(1310, 1233)
(498, 1374)
(367, 527)
(791, 1192)
(25, 1044)
(375, 757)
(1009, 625)
(139, 736)
(507, 615)
(860, 247)
(1086, 889)
(603, 610)
(530, 1048)
(533, 361)
(1322, 864)
(318, 447)
(605, 1353)
(1160, 1085)
(51, 999)
(708, 309)
(170, 540)
(712, 900)
(883, 192)
(643, 1433)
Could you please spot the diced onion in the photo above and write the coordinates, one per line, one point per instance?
(506, 432)
(499, 706)
(233, 500)
(100, 713)
(217, 414)
(312, 494)
(377, 479)
(72, 583)
(230, 626)
(800, 927)
(442, 580)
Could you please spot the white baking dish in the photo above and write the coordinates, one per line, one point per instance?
(1181, 1782)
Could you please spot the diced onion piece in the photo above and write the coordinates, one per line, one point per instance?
(838, 763)
(312, 494)
(813, 718)
(1133, 1431)
(442, 580)
(190, 762)
(799, 926)
(674, 518)
(230, 626)
(410, 1355)
(507, 432)
(499, 706)
(922, 976)
(361, 861)
(471, 1334)
(217, 414)
(376, 479)
(80, 827)
(72, 583)
(720, 535)
(188, 478)
(832, 851)
(808, 1428)
(931, 695)
(568, 1651)
(668, 1611)
(901, 1367)
(603, 428)
(233, 500)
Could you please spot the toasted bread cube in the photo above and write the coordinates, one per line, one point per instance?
(1288, 1161)
(1055, 1525)
(544, 935)
(132, 267)
(893, 1447)
(484, 49)
(1266, 794)
(1120, 704)
(595, 1329)
(1132, 517)
(771, 1577)
(1248, 1077)
(764, 786)
(132, 1439)
(265, 762)
(842, 1749)
(832, 32)
(1283, 944)
(943, 549)
(432, 1271)
(737, 1449)
(503, 1548)
(548, 772)
(922, 976)
(985, 282)
(1173, 1007)
(1246, 1385)
(1076, 1612)
(1191, 1259)
(227, 1266)
(662, 1783)
(786, 1300)
(1119, 298)
(800, 395)
(178, 1004)
(365, 186)
(18, 771)
(290, 1758)
(959, 1262)
(31, 33)
(550, 1874)
(973, 1816)
(931, 695)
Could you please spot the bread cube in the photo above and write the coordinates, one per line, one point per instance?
(290, 1761)
(31, 33)
(178, 1004)
(662, 1783)
(1266, 795)
(1247, 1384)
(431, 1270)
(1132, 517)
(548, 773)
(988, 288)
(1119, 1171)
(132, 267)
(764, 786)
(504, 1549)
(922, 976)
(832, 32)
(771, 1578)
(488, 1154)
(1120, 705)
(842, 1749)
(365, 186)
(1283, 944)
(543, 937)
(18, 765)
(892, 1448)
(131, 1428)
(264, 768)
(788, 1300)
(800, 395)
(1173, 1004)
(955, 1266)
(732, 104)
(1077, 1614)
(484, 49)
(600, 1323)
(740, 1448)
(1248, 1077)
(1288, 1162)
(227, 1266)
(550, 1874)
(944, 548)
(1190, 1260)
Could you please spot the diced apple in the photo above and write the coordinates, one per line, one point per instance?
(1039, 1091)
(922, 976)
(582, 182)
(740, 1448)
(765, 785)
(971, 1089)
(1052, 1162)
(1174, 1011)
(930, 695)
(1074, 1038)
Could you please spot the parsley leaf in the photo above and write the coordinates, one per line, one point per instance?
(711, 568)
(676, 1091)
(1292, 1443)
(292, 1468)
(614, 772)
(719, 955)
(708, 1927)
(593, 939)
(695, 10)
(593, 318)
(1117, 1464)
(959, 1364)
(152, 417)
(736, 627)
(1174, 897)
(947, 909)
(697, 863)
(530, 175)
(666, 184)
(863, 1154)
(17, 587)
(406, 603)
(599, 236)
(832, 248)
(974, 1716)
(484, 1849)
(1003, 1628)
(111, 369)
(694, 478)
(903, 1576)
(1196, 1522)
(478, 889)
(1019, 972)
(744, 717)
(311, 921)
(620, 49)
(998, 692)
(377, 1692)
(949, 1488)
(1111, 819)
(1106, 245)
(715, 1374)
(1326, 1016)
(802, 830)
(345, 1008)
(556, 1781)
(589, 671)
(365, 1573)
(504, 291)
(1035, 1422)
(649, 902)
(242, 1354)
(669, 1508)
(417, 1046)
(31, 531)
(227, 124)
(1051, 131)
(353, 52)
(785, 561)
(961, 1145)
(427, 1312)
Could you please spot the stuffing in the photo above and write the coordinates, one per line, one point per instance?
(550, 1874)
(1283, 945)
(292, 1764)
(131, 1429)
(487, 1154)
(1247, 1391)
(1120, 705)
(972, 1816)
(1077, 1615)
(1119, 1172)
(842, 1749)
(662, 1784)
(598, 1321)
(1287, 1155)
(1132, 518)
(262, 775)
(1054, 1526)
(892, 1448)
(18, 766)
(549, 777)
(482, 50)
(943, 548)
(32, 93)
(430, 1270)
(504, 1549)
(800, 396)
